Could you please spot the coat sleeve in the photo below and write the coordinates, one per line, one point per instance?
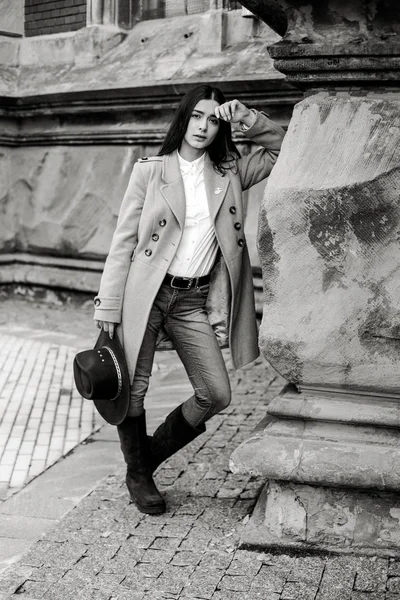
(108, 302)
(258, 165)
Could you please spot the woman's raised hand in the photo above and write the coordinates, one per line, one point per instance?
(235, 111)
(107, 326)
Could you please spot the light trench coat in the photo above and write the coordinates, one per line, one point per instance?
(149, 229)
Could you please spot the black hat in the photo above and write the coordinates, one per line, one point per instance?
(102, 375)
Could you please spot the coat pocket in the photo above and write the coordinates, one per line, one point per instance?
(218, 304)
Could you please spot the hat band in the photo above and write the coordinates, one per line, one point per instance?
(119, 375)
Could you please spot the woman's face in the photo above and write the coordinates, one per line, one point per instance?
(202, 128)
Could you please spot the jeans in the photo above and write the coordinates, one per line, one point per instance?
(183, 315)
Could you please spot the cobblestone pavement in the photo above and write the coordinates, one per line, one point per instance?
(42, 416)
(106, 550)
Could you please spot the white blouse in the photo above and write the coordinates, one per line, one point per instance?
(198, 247)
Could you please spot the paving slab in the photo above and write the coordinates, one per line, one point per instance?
(23, 528)
(59, 489)
(42, 416)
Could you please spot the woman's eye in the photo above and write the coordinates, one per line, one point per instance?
(195, 116)
(214, 121)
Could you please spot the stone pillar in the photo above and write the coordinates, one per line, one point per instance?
(95, 12)
(119, 13)
(329, 243)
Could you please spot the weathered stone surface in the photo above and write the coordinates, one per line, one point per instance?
(351, 21)
(295, 516)
(374, 579)
(337, 583)
(328, 242)
(321, 453)
(328, 245)
(299, 591)
(356, 409)
(64, 202)
(334, 43)
(160, 50)
(54, 201)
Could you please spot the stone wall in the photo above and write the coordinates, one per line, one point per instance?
(60, 206)
(64, 200)
(77, 110)
(54, 16)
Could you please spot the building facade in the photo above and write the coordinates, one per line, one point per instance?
(87, 87)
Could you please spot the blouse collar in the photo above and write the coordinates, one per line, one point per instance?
(186, 165)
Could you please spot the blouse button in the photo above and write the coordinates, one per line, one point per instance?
(148, 252)
(241, 243)
(163, 223)
(232, 210)
(97, 301)
(237, 226)
(155, 237)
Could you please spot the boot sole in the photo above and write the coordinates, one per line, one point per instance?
(149, 510)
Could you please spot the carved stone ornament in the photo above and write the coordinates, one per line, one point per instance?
(334, 42)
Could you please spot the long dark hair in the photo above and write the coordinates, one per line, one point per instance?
(222, 150)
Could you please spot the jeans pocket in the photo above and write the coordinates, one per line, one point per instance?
(203, 290)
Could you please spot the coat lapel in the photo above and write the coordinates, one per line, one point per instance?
(216, 187)
(173, 189)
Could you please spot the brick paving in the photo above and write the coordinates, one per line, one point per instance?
(106, 549)
(42, 416)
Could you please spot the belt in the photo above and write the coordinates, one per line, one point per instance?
(185, 283)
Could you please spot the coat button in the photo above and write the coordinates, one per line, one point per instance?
(237, 226)
(97, 301)
(155, 237)
(163, 223)
(241, 243)
(232, 210)
(148, 252)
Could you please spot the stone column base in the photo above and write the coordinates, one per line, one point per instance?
(344, 521)
(291, 444)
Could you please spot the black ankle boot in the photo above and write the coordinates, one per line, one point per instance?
(171, 436)
(137, 454)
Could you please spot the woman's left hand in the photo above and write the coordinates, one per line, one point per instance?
(107, 326)
(235, 112)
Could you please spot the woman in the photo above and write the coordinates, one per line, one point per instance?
(178, 266)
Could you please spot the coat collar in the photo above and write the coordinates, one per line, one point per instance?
(173, 189)
(174, 192)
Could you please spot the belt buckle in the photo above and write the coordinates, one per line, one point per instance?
(177, 287)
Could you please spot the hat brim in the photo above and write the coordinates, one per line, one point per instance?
(114, 411)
